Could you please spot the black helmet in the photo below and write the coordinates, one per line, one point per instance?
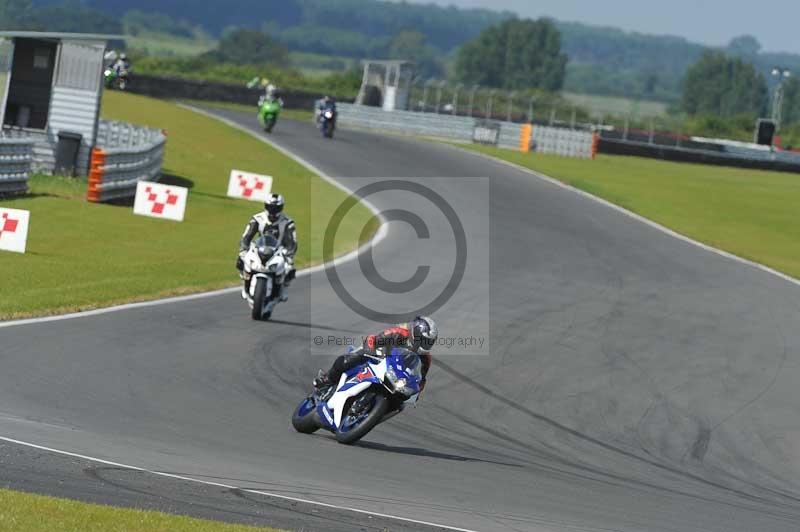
(274, 206)
(424, 333)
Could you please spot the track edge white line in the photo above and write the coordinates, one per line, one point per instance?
(228, 486)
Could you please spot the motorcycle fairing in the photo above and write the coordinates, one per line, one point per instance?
(352, 383)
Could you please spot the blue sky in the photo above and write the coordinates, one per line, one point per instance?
(776, 23)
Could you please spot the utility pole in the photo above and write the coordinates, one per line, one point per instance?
(777, 101)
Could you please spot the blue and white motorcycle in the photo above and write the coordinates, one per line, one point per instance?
(326, 119)
(365, 396)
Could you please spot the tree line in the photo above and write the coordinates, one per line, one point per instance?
(469, 46)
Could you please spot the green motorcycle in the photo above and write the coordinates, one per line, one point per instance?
(268, 111)
(115, 79)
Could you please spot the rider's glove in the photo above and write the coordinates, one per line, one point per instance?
(377, 354)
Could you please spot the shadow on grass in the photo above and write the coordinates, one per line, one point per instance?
(29, 195)
(215, 196)
(176, 180)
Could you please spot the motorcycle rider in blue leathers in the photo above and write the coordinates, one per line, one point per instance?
(419, 336)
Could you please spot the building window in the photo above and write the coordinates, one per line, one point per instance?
(41, 58)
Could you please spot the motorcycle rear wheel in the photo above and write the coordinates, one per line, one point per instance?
(379, 410)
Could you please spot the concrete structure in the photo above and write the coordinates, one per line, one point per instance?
(51, 82)
(386, 84)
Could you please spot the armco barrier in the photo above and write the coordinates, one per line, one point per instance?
(419, 124)
(16, 156)
(564, 142)
(522, 137)
(125, 155)
(781, 161)
(43, 153)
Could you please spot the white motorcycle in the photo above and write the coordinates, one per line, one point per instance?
(265, 270)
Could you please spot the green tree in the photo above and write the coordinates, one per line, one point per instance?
(516, 54)
(721, 85)
(745, 46)
(136, 22)
(791, 102)
(249, 47)
(74, 17)
(411, 45)
(14, 14)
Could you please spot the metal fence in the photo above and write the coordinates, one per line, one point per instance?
(44, 154)
(504, 134)
(458, 128)
(16, 157)
(125, 154)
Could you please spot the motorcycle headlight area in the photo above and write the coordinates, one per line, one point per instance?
(401, 385)
(328, 114)
(265, 253)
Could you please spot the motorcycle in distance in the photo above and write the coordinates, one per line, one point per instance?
(365, 396)
(268, 111)
(115, 79)
(327, 122)
(265, 269)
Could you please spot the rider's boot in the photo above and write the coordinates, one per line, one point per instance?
(283, 295)
(244, 291)
(323, 385)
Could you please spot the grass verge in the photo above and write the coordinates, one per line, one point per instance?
(24, 512)
(83, 255)
(750, 213)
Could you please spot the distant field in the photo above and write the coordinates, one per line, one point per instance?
(167, 45)
(600, 106)
(750, 213)
(319, 65)
(159, 44)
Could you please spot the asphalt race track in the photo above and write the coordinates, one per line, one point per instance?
(635, 382)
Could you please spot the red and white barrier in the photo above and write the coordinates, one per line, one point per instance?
(14, 229)
(160, 201)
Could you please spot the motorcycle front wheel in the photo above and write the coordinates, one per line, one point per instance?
(304, 418)
(259, 300)
(361, 416)
(269, 123)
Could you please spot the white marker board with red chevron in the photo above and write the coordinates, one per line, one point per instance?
(249, 186)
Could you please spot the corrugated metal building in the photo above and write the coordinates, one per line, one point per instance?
(52, 82)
